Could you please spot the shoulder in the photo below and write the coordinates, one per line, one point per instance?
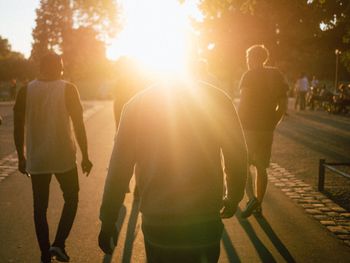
(71, 90)
(273, 70)
(247, 77)
(69, 86)
(216, 92)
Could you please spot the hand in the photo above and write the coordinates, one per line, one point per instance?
(22, 166)
(229, 209)
(104, 240)
(86, 166)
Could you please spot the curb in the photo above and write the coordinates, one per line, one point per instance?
(332, 216)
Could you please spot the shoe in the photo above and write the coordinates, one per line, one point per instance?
(258, 211)
(59, 253)
(251, 206)
(45, 258)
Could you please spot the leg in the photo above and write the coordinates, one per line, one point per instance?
(249, 189)
(70, 187)
(302, 100)
(261, 183)
(297, 98)
(41, 187)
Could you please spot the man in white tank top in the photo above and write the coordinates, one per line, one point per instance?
(43, 113)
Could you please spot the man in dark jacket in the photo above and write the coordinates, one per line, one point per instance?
(179, 135)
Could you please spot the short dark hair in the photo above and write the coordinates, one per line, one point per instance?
(51, 64)
(258, 54)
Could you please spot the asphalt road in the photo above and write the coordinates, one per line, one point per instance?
(286, 234)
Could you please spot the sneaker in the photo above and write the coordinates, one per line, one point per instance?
(258, 212)
(45, 258)
(59, 253)
(249, 209)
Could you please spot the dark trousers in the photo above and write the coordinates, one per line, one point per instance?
(192, 243)
(70, 187)
(208, 254)
(300, 100)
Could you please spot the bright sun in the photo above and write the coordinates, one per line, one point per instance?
(155, 33)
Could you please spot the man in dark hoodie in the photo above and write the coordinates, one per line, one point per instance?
(186, 140)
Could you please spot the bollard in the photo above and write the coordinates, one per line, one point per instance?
(321, 175)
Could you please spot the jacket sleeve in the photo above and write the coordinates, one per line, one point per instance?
(234, 154)
(121, 167)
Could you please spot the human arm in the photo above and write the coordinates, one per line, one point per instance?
(75, 111)
(281, 99)
(18, 127)
(119, 174)
(235, 160)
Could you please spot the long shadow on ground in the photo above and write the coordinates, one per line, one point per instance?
(276, 241)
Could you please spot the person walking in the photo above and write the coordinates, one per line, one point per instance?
(302, 87)
(262, 105)
(43, 113)
(175, 133)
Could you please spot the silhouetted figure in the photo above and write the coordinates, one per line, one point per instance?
(175, 132)
(301, 88)
(42, 114)
(13, 89)
(262, 106)
(130, 82)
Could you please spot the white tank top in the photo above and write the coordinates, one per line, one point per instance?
(50, 146)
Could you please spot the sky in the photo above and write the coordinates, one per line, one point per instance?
(17, 19)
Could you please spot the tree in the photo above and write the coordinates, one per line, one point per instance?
(13, 65)
(5, 47)
(292, 30)
(58, 20)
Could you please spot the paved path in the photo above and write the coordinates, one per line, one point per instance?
(287, 233)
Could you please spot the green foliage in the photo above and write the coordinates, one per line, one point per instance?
(74, 28)
(13, 65)
(290, 30)
(5, 48)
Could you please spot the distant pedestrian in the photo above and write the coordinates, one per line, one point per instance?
(262, 106)
(175, 132)
(302, 87)
(13, 89)
(42, 114)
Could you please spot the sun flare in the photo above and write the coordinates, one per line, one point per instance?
(155, 33)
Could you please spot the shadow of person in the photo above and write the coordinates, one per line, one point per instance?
(281, 248)
(229, 248)
(108, 258)
(264, 254)
(131, 232)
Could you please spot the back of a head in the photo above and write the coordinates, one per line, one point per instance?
(257, 55)
(51, 66)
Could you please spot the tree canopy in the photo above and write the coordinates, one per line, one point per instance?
(61, 26)
(302, 35)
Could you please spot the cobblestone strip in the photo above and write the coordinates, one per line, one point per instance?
(333, 217)
(8, 164)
